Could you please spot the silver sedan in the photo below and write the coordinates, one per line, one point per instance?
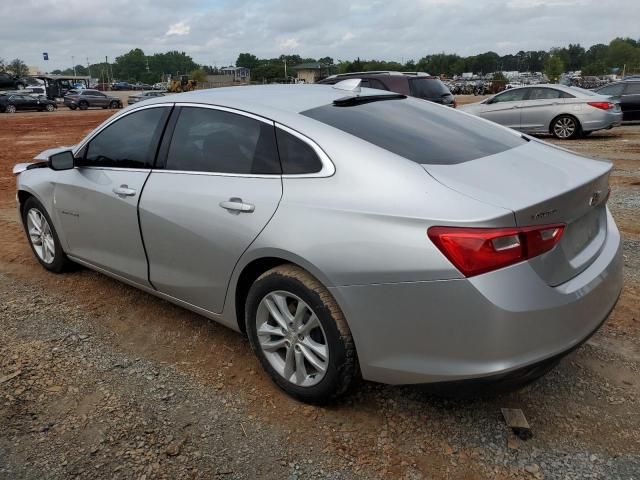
(565, 112)
(348, 233)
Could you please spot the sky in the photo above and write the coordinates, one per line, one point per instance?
(214, 32)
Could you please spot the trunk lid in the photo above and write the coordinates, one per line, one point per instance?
(542, 184)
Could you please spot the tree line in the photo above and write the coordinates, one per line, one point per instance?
(598, 59)
(134, 65)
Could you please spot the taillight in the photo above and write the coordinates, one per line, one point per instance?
(479, 250)
(602, 105)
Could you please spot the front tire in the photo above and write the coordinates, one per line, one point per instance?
(10, 109)
(300, 335)
(50, 108)
(565, 127)
(114, 105)
(43, 237)
(83, 105)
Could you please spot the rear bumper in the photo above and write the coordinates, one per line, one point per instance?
(601, 120)
(492, 324)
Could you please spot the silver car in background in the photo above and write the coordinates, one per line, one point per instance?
(348, 233)
(565, 112)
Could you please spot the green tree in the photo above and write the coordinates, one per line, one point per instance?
(199, 75)
(326, 61)
(18, 67)
(553, 67)
(623, 51)
(247, 60)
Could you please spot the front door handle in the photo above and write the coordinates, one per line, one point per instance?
(124, 191)
(236, 205)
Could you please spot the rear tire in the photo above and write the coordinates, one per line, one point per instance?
(114, 105)
(73, 107)
(83, 105)
(300, 335)
(565, 127)
(43, 238)
(10, 109)
(50, 108)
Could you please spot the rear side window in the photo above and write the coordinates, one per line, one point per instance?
(428, 88)
(129, 142)
(633, 88)
(297, 157)
(615, 89)
(418, 131)
(208, 140)
(544, 94)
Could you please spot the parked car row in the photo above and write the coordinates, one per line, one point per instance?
(144, 96)
(627, 92)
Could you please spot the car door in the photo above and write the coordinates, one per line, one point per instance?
(217, 187)
(504, 108)
(25, 102)
(542, 105)
(630, 101)
(97, 201)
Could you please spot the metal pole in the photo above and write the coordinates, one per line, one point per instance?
(73, 61)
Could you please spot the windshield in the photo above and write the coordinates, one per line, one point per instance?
(418, 130)
(428, 88)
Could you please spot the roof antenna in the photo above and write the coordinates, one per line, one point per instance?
(351, 85)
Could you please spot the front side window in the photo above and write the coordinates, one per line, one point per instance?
(510, 96)
(208, 140)
(418, 130)
(130, 142)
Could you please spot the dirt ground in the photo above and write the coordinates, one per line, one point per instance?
(99, 380)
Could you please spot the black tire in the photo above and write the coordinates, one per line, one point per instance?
(50, 107)
(10, 109)
(342, 365)
(60, 261)
(73, 107)
(114, 104)
(565, 127)
(83, 105)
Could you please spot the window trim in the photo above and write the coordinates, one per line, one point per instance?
(78, 147)
(328, 168)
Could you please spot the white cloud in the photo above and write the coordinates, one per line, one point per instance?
(348, 36)
(180, 29)
(289, 44)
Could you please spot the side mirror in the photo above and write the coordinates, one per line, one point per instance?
(61, 161)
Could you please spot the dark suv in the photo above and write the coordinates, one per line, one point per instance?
(413, 84)
(628, 92)
(84, 99)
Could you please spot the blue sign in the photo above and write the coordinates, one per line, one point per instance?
(45, 55)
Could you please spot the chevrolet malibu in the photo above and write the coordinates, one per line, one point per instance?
(348, 233)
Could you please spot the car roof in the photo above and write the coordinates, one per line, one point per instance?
(270, 101)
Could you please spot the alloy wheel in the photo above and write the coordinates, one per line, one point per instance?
(564, 127)
(292, 338)
(11, 109)
(40, 236)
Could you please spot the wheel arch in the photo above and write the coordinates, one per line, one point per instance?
(553, 120)
(250, 269)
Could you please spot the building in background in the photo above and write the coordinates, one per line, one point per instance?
(312, 72)
(239, 74)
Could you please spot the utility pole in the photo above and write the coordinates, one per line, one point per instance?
(88, 67)
(285, 68)
(73, 61)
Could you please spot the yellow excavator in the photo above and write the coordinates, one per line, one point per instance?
(183, 84)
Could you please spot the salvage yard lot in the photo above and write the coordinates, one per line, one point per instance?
(99, 380)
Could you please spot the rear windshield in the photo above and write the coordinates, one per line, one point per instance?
(418, 130)
(428, 88)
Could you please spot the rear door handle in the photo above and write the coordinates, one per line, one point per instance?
(124, 191)
(236, 205)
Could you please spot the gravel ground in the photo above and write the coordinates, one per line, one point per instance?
(99, 380)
